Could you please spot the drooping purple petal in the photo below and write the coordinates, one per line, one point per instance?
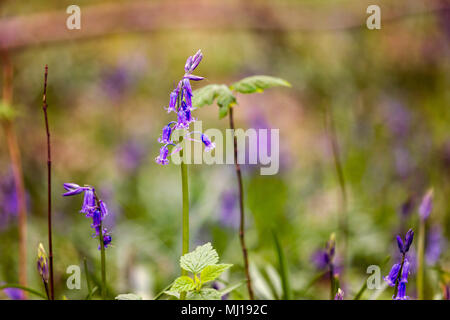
(391, 278)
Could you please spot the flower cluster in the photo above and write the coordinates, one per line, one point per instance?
(398, 276)
(93, 208)
(180, 102)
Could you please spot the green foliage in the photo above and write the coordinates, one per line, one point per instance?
(224, 97)
(6, 112)
(204, 294)
(128, 296)
(203, 264)
(258, 84)
(219, 92)
(200, 258)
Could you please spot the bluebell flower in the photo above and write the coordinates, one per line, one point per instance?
(42, 263)
(163, 154)
(207, 142)
(405, 271)
(181, 103)
(339, 295)
(92, 206)
(106, 239)
(435, 245)
(88, 201)
(398, 276)
(173, 101)
(166, 133)
(401, 294)
(391, 278)
(405, 245)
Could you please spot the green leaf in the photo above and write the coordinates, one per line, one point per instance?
(183, 284)
(199, 259)
(258, 84)
(91, 293)
(219, 92)
(204, 294)
(128, 296)
(283, 268)
(173, 294)
(213, 271)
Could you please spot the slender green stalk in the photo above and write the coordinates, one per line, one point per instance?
(420, 260)
(102, 253)
(343, 221)
(185, 215)
(185, 192)
(103, 262)
(285, 283)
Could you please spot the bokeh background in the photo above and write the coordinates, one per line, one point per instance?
(382, 95)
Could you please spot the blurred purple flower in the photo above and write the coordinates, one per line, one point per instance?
(219, 286)
(130, 155)
(426, 205)
(407, 207)
(14, 293)
(398, 118)
(8, 200)
(435, 244)
(320, 259)
(339, 295)
(229, 213)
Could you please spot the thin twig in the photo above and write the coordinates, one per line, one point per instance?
(241, 207)
(49, 186)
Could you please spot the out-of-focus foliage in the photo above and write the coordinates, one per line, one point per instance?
(386, 90)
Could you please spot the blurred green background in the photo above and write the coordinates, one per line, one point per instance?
(386, 91)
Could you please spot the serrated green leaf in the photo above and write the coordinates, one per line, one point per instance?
(213, 271)
(128, 296)
(200, 258)
(219, 92)
(204, 294)
(183, 284)
(258, 84)
(173, 294)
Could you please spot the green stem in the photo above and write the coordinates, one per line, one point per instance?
(102, 251)
(103, 262)
(420, 259)
(185, 219)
